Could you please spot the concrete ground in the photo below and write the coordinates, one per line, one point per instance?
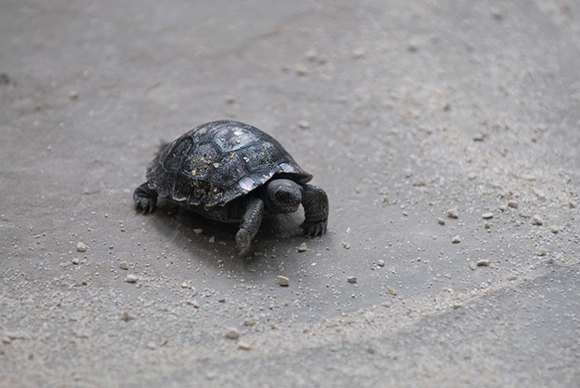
(402, 110)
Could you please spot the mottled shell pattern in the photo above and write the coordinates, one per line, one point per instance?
(218, 162)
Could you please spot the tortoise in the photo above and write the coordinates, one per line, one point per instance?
(233, 172)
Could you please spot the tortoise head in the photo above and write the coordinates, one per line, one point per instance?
(283, 195)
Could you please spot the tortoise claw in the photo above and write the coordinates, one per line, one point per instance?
(314, 229)
(145, 198)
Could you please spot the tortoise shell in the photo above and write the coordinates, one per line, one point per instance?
(220, 161)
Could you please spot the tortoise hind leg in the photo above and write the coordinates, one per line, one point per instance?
(145, 198)
(250, 224)
(315, 203)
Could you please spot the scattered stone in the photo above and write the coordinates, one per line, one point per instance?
(131, 278)
(351, 279)
(124, 265)
(487, 225)
(483, 263)
(302, 247)
(513, 204)
(524, 215)
(456, 239)
(193, 303)
(479, 137)
(381, 263)
(198, 231)
(345, 245)
(283, 281)
(555, 229)
(250, 321)
(126, 317)
(302, 70)
(440, 221)
(358, 53)
(19, 335)
(496, 13)
(222, 300)
(537, 220)
(73, 95)
(211, 239)
(151, 345)
(229, 99)
(487, 216)
(232, 334)
(75, 260)
(391, 291)
(542, 252)
(81, 247)
(371, 350)
(447, 107)
(452, 213)
(4, 79)
(244, 346)
(303, 124)
(572, 205)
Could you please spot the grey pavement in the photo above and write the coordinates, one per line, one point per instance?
(402, 110)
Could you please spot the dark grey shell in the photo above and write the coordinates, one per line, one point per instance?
(218, 162)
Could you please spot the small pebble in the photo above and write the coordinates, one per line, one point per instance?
(496, 13)
(351, 279)
(537, 220)
(302, 70)
(303, 124)
(487, 225)
(232, 334)
(131, 278)
(483, 263)
(555, 229)
(345, 245)
(513, 204)
(302, 247)
(211, 239)
(440, 221)
(151, 345)
(456, 240)
(487, 216)
(381, 263)
(124, 265)
(542, 252)
(73, 95)
(198, 231)
(81, 247)
(452, 213)
(250, 322)
(126, 317)
(391, 291)
(283, 281)
(229, 99)
(358, 53)
(75, 260)
(244, 346)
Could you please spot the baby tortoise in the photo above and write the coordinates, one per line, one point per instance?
(233, 172)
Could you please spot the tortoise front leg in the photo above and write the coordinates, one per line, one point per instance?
(315, 203)
(250, 224)
(145, 198)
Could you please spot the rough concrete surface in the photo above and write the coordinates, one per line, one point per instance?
(402, 110)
